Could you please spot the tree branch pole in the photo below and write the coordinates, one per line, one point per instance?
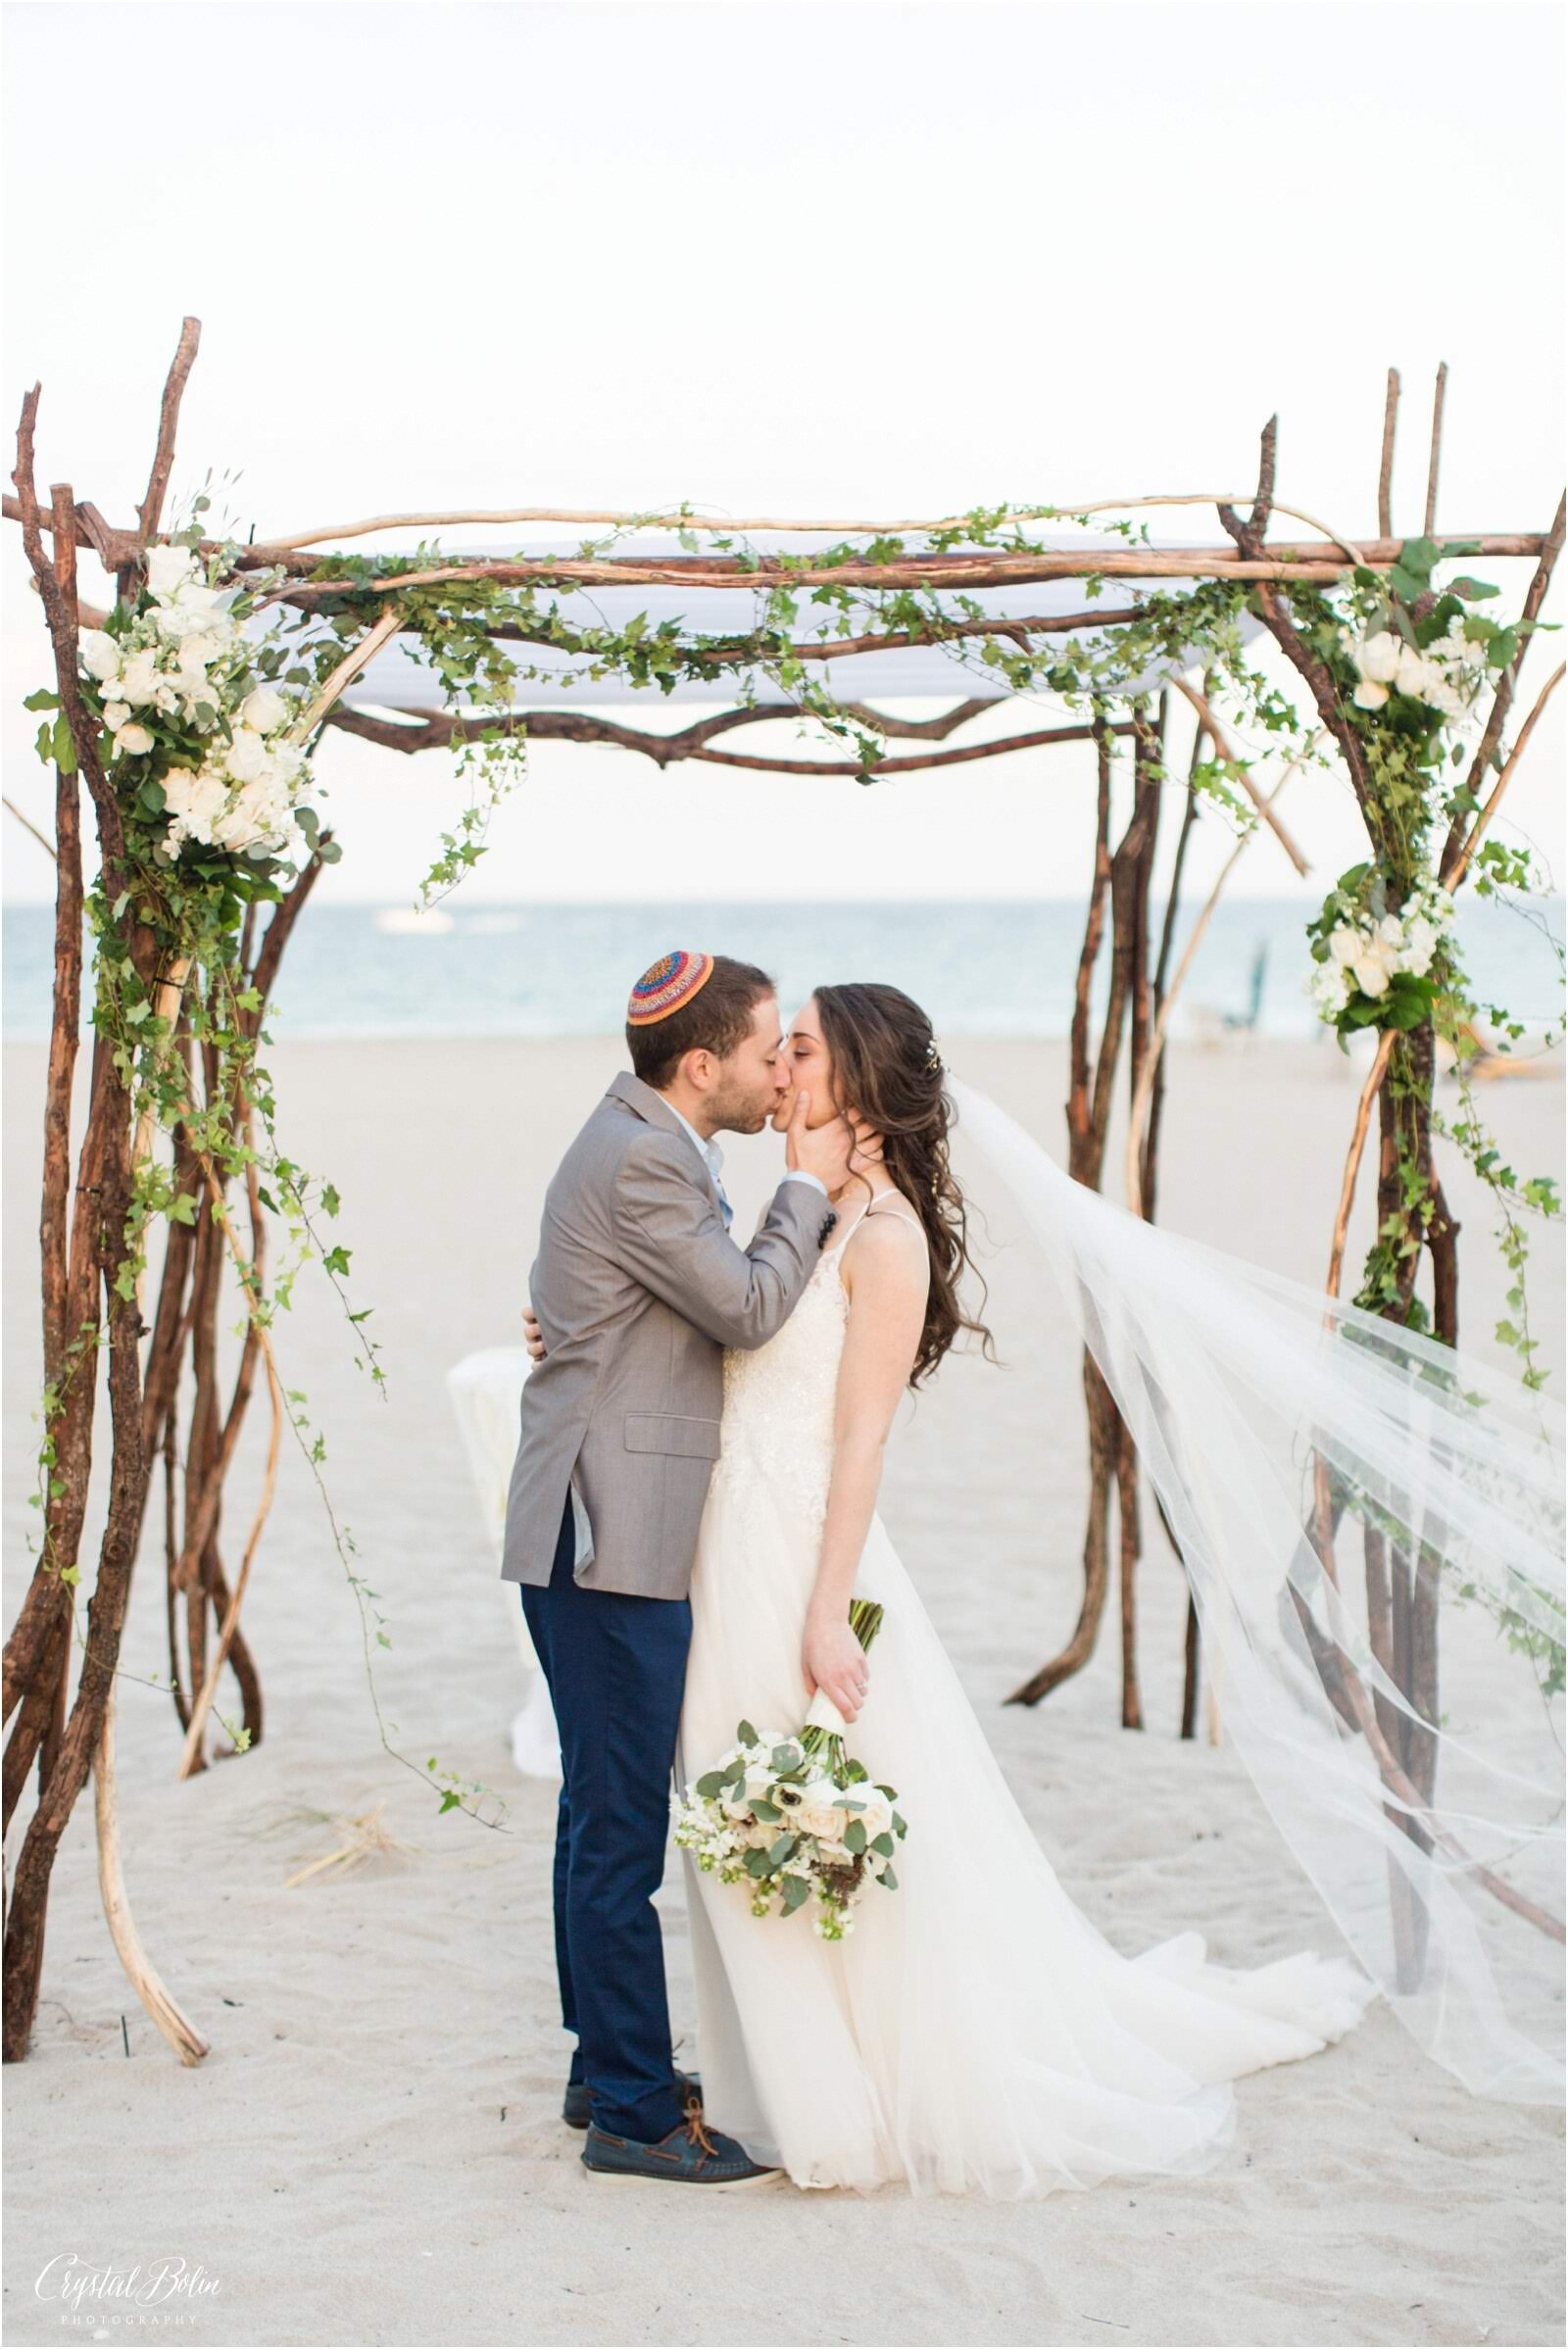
(718, 526)
(151, 512)
(1391, 414)
(1439, 390)
(1502, 700)
(1217, 736)
(1133, 1163)
(437, 731)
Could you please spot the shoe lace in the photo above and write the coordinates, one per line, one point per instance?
(695, 2129)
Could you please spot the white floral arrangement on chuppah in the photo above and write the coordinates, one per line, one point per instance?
(200, 727)
(790, 1815)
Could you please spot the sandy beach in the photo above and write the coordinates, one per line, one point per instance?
(372, 2150)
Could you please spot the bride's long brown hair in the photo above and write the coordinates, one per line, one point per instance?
(886, 1070)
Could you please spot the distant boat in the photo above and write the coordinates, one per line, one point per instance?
(407, 921)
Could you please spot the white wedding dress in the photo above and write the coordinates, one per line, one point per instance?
(974, 2033)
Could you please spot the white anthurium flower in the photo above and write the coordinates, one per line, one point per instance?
(1344, 943)
(134, 739)
(100, 655)
(1378, 659)
(1369, 696)
(264, 710)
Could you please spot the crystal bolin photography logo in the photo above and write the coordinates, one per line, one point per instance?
(105, 2298)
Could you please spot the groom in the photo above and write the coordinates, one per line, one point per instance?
(638, 1289)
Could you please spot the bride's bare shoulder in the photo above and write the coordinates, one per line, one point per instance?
(888, 1246)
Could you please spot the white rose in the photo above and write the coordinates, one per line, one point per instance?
(877, 1815)
(193, 802)
(134, 740)
(116, 714)
(1414, 674)
(264, 710)
(168, 567)
(1371, 974)
(1368, 696)
(1345, 944)
(100, 655)
(1420, 945)
(138, 679)
(819, 1818)
(198, 651)
(247, 759)
(194, 610)
(1378, 659)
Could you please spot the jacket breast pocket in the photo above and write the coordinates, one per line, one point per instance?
(669, 1432)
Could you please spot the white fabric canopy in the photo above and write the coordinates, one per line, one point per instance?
(397, 679)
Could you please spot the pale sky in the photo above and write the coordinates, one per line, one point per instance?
(811, 258)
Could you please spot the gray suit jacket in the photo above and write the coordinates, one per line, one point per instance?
(638, 1290)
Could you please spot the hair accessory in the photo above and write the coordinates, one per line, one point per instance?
(668, 986)
(933, 1058)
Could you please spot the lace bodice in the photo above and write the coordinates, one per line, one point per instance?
(779, 1397)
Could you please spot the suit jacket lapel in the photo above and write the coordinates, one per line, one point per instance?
(654, 1110)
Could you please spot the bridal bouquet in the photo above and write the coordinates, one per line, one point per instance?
(788, 1815)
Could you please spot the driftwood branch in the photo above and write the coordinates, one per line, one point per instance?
(719, 526)
(151, 510)
(1145, 1079)
(436, 730)
(1264, 806)
(1503, 701)
(1390, 414)
(1439, 390)
(1453, 873)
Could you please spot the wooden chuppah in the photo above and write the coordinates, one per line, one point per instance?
(170, 1417)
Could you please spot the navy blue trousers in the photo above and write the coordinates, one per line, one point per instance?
(615, 1667)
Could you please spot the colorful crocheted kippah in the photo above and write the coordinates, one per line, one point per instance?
(670, 984)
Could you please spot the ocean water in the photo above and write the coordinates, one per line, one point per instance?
(996, 968)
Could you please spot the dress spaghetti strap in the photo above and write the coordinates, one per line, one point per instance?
(905, 1215)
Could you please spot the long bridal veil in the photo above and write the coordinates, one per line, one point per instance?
(1371, 1526)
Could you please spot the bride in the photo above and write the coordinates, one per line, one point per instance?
(974, 2032)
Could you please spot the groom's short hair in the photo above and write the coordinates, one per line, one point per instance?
(716, 1019)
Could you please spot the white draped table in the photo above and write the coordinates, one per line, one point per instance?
(486, 1390)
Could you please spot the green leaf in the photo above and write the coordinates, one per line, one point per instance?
(757, 1862)
(712, 1782)
(745, 1734)
(889, 1877)
(781, 1850)
(64, 747)
(763, 1809)
(796, 1890)
(43, 699)
(884, 1844)
(854, 1836)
